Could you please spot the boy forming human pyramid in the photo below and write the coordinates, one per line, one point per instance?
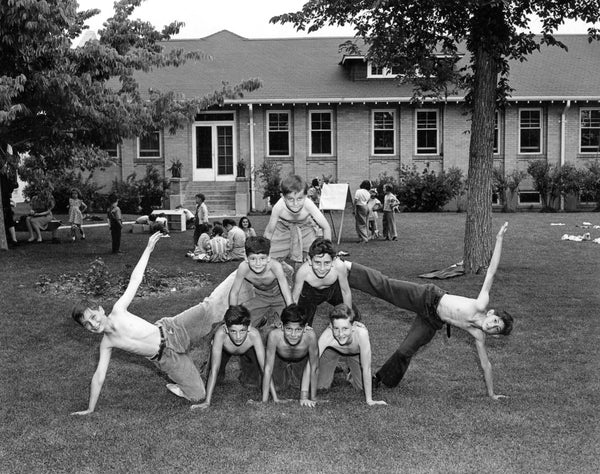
(322, 278)
(266, 276)
(235, 337)
(346, 337)
(291, 227)
(166, 343)
(290, 349)
(434, 308)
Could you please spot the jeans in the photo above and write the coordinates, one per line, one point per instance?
(115, 234)
(328, 362)
(421, 299)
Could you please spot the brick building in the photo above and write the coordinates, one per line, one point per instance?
(319, 112)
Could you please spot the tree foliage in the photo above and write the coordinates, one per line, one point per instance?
(427, 39)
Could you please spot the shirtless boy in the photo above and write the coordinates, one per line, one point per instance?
(291, 350)
(271, 289)
(291, 227)
(322, 278)
(343, 336)
(235, 337)
(434, 308)
(165, 343)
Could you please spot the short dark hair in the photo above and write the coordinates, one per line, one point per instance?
(227, 222)
(293, 314)
(341, 311)
(201, 196)
(315, 182)
(508, 321)
(321, 246)
(203, 228)
(293, 184)
(237, 314)
(257, 245)
(387, 187)
(218, 229)
(113, 198)
(366, 184)
(80, 308)
(242, 220)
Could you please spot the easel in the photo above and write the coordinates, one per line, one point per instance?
(334, 198)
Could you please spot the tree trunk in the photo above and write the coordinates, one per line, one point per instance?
(478, 230)
(3, 241)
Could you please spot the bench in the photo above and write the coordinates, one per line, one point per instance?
(52, 226)
(176, 219)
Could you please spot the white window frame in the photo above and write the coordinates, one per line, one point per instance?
(539, 202)
(581, 128)
(151, 157)
(393, 130)
(497, 133)
(437, 130)
(289, 132)
(310, 131)
(386, 72)
(541, 131)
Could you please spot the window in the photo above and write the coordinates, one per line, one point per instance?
(427, 132)
(278, 135)
(530, 131)
(496, 132)
(529, 197)
(384, 132)
(112, 149)
(149, 145)
(320, 133)
(382, 72)
(589, 139)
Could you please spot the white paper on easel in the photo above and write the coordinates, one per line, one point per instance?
(334, 197)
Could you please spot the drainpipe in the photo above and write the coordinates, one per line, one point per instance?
(563, 132)
(251, 124)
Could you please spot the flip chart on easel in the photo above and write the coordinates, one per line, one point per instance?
(334, 198)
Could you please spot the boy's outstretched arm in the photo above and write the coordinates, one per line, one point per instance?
(484, 294)
(259, 350)
(138, 273)
(310, 374)
(342, 271)
(241, 273)
(486, 366)
(269, 362)
(319, 218)
(283, 283)
(275, 213)
(98, 378)
(364, 345)
(215, 364)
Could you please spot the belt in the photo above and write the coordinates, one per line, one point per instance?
(161, 347)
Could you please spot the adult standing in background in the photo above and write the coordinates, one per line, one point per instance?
(361, 211)
(8, 183)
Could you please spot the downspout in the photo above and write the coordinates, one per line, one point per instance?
(563, 132)
(250, 171)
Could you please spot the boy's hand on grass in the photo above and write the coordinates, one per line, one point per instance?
(84, 412)
(200, 406)
(307, 403)
(376, 402)
(497, 397)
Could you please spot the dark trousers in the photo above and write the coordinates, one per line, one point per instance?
(250, 374)
(115, 234)
(421, 299)
(310, 298)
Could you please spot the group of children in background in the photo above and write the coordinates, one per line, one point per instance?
(366, 212)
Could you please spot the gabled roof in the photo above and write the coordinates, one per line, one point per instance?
(297, 70)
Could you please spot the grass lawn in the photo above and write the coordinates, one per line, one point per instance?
(439, 419)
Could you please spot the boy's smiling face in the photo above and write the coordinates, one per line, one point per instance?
(258, 262)
(342, 330)
(293, 332)
(94, 320)
(321, 264)
(294, 201)
(237, 333)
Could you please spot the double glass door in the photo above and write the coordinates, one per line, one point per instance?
(214, 150)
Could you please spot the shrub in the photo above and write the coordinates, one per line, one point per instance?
(428, 190)
(545, 182)
(591, 183)
(503, 185)
(269, 174)
(65, 182)
(140, 196)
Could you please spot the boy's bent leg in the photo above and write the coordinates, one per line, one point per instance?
(327, 364)
(181, 369)
(403, 294)
(393, 370)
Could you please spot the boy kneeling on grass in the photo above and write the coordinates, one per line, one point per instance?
(235, 337)
(346, 337)
(290, 349)
(166, 343)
